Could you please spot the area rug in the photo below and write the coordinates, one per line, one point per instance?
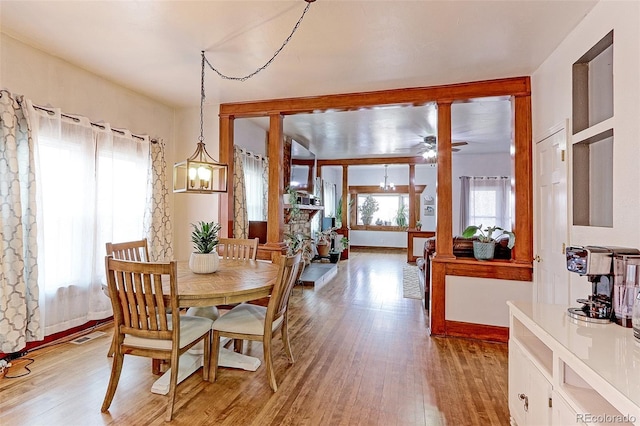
(410, 285)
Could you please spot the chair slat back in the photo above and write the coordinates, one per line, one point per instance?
(287, 277)
(139, 307)
(238, 248)
(130, 250)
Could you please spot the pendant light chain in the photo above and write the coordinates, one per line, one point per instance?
(248, 76)
(201, 138)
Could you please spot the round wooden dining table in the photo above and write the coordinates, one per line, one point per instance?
(235, 281)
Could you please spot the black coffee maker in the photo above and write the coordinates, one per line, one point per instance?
(597, 264)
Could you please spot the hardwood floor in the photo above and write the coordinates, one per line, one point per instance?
(363, 357)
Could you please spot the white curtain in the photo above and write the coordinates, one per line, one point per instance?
(20, 311)
(94, 190)
(255, 181)
(486, 201)
(329, 198)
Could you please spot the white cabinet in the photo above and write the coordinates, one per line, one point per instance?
(562, 413)
(529, 390)
(563, 371)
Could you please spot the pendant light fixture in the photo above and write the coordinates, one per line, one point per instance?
(387, 186)
(200, 173)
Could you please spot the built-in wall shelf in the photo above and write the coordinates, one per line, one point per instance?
(593, 136)
(311, 209)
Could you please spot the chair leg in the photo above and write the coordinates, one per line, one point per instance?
(116, 369)
(266, 344)
(206, 363)
(215, 354)
(285, 339)
(238, 345)
(155, 366)
(112, 348)
(173, 383)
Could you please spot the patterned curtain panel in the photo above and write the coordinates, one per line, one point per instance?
(20, 313)
(157, 220)
(240, 216)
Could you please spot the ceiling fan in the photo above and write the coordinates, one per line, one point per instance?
(427, 147)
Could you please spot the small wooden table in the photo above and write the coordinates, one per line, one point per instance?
(235, 281)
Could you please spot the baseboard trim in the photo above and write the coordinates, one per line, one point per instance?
(490, 333)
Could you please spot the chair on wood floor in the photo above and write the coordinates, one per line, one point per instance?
(129, 250)
(238, 248)
(143, 325)
(254, 322)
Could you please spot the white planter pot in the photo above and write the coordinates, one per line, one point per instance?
(204, 263)
(286, 199)
(483, 251)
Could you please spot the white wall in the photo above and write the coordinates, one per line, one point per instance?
(482, 300)
(250, 136)
(551, 104)
(427, 175)
(48, 80)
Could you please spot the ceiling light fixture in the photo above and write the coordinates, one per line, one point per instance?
(384, 185)
(430, 155)
(200, 173)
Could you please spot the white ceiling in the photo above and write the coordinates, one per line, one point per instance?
(341, 46)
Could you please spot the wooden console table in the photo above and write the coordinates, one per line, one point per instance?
(414, 233)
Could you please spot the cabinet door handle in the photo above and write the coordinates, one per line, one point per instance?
(524, 398)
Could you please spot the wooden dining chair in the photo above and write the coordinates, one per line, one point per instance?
(253, 322)
(143, 325)
(129, 250)
(238, 248)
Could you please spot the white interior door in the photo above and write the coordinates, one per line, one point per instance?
(551, 222)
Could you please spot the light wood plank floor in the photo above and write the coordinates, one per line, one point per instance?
(363, 357)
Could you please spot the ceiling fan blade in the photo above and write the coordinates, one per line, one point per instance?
(461, 143)
(455, 149)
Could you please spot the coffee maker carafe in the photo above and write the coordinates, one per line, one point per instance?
(597, 264)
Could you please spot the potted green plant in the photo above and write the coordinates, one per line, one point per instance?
(290, 199)
(204, 260)
(418, 225)
(367, 209)
(290, 196)
(401, 216)
(323, 243)
(484, 246)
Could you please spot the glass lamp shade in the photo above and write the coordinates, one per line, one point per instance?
(200, 174)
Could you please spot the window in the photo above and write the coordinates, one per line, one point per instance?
(93, 186)
(485, 201)
(392, 209)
